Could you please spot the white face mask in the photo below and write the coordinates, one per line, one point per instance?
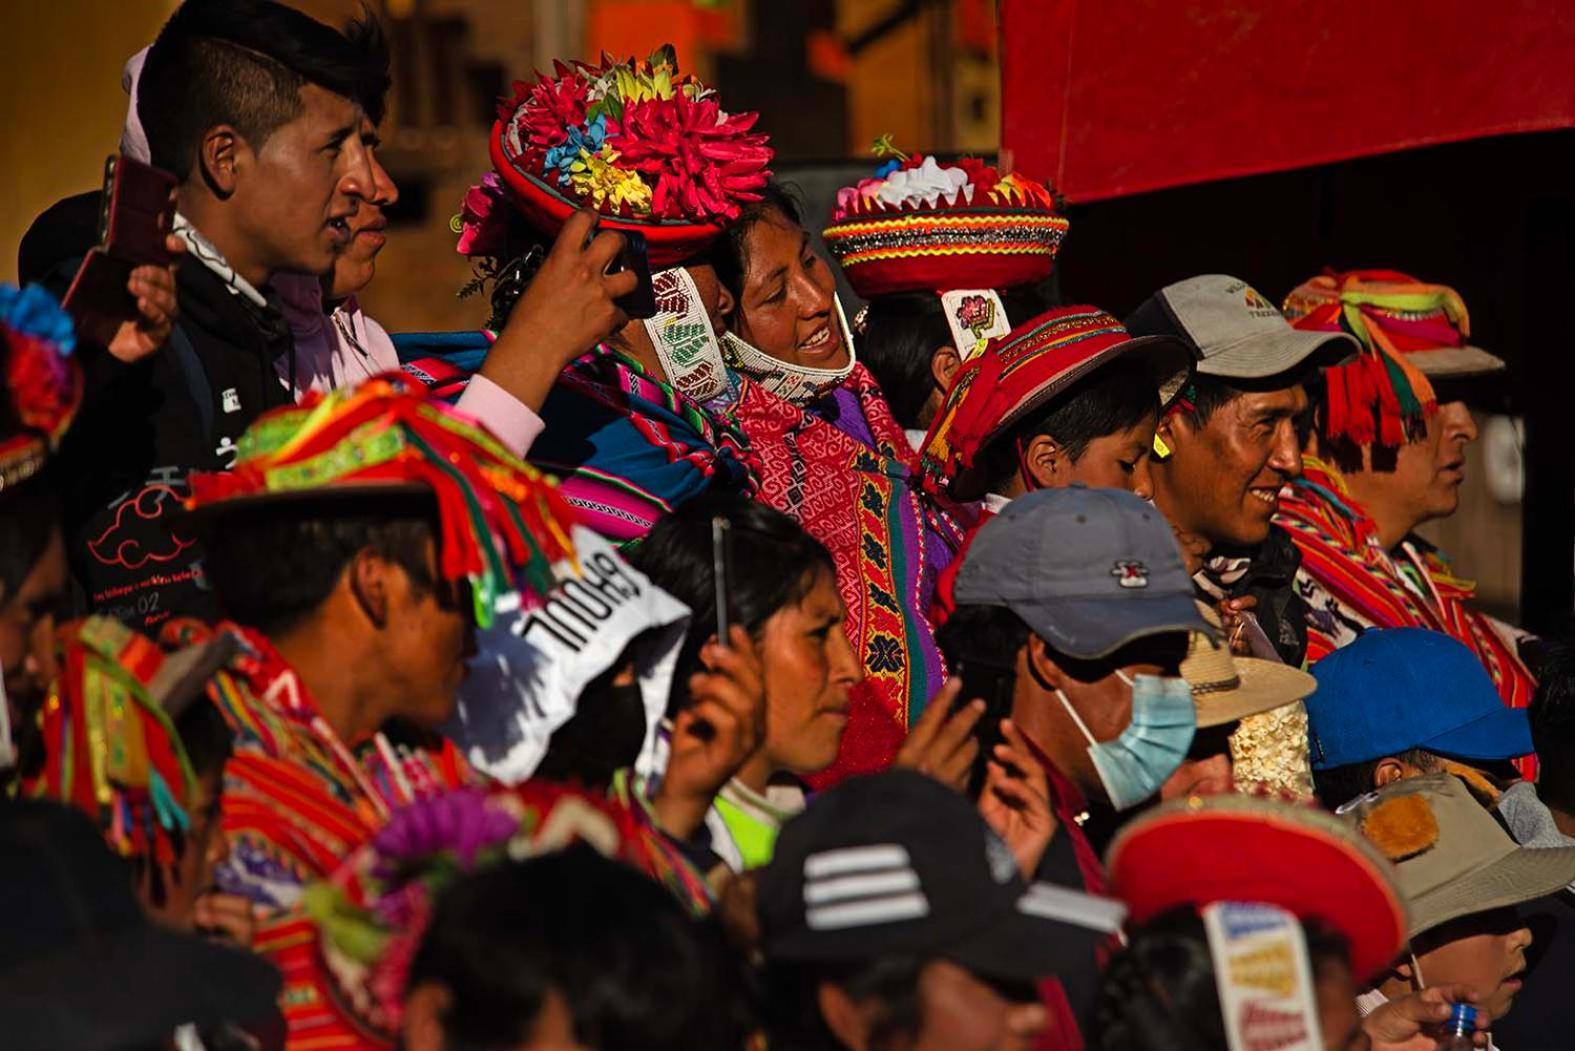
(796, 384)
(1133, 766)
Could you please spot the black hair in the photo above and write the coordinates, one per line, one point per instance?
(244, 63)
(635, 971)
(790, 1006)
(1553, 730)
(29, 516)
(205, 737)
(1339, 785)
(730, 256)
(775, 564)
(1205, 396)
(272, 566)
(992, 635)
(1114, 398)
(1158, 993)
(902, 332)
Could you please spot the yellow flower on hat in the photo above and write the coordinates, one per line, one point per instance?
(598, 181)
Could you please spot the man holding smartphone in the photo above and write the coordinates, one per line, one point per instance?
(256, 110)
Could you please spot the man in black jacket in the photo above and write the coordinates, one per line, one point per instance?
(257, 109)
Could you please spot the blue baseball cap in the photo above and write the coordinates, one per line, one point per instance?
(1089, 570)
(1396, 689)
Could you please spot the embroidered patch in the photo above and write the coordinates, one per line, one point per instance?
(231, 400)
(975, 316)
(1130, 574)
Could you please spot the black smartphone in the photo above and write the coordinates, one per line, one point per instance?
(640, 303)
(994, 684)
(722, 576)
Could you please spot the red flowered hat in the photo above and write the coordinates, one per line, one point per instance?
(1024, 370)
(43, 385)
(923, 226)
(649, 149)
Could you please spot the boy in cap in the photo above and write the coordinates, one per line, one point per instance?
(891, 909)
(1404, 702)
(1386, 454)
(1065, 398)
(1462, 877)
(1229, 444)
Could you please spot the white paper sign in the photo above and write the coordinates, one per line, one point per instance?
(533, 664)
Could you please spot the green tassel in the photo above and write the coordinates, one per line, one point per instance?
(169, 812)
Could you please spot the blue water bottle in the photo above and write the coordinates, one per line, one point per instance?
(1460, 1032)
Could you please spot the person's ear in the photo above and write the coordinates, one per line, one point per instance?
(1041, 665)
(370, 585)
(843, 1017)
(221, 153)
(725, 303)
(1388, 771)
(1045, 459)
(944, 364)
(425, 1006)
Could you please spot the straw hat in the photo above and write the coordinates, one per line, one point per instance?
(1227, 688)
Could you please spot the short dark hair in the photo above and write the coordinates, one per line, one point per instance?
(272, 566)
(1553, 729)
(993, 635)
(1114, 398)
(790, 1005)
(1339, 785)
(1159, 992)
(1206, 395)
(244, 63)
(775, 564)
(902, 333)
(634, 970)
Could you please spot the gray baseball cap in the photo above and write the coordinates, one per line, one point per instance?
(1089, 570)
(1238, 333)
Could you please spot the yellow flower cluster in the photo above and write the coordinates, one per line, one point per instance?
(598, 182)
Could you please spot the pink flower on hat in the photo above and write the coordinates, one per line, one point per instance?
(483, 220)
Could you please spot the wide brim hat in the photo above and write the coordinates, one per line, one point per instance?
(1025, 370)
(1454, 362)
(1227, 688)
(1451, 856)
(1201, 850)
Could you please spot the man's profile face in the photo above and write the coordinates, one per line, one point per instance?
(299, 190)
(1428, 473)
(1224, 479)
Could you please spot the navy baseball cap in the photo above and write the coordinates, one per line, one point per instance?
(1089, 570)
(1396, 689)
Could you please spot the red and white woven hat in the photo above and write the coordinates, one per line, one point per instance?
(959, 230)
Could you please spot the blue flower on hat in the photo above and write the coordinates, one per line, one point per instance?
(562, 156)
(32, 311)
(887, 168)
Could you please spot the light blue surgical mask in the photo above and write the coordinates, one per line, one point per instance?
(1134, 765)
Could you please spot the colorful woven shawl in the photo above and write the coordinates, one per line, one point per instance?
(1371, 587)
(855, 495)
(628, 449)
(109, 748)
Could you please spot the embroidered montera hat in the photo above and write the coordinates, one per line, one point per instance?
(959, 230)
(504, 527)
(43, 384)
(1025, 370)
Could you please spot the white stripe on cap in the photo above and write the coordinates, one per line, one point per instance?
(1064, 905)
(859, 885)
(867, 912)
(855, 859)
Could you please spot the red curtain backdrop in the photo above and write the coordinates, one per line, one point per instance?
(1113, 97)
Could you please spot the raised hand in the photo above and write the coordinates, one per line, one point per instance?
(942, 743)
(568, 308)
(153, 288)
(1015, 801)
(723, 726)
(1409, 1022)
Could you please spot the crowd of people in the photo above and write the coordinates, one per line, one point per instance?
(730, 670)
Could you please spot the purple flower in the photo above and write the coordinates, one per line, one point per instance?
(461, 822)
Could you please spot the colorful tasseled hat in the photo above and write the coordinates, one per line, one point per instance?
(372, 914)
(648, 148)
(1024, 370)
(43, 384)
(1409, 331)
(110, 749)
(504, 527)
(960, 231)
